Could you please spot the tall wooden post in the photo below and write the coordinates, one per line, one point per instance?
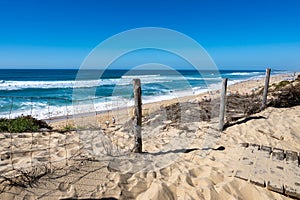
(137, 130)
(223, 103)
(265, 94)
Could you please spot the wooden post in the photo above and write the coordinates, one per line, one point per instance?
(137, 130)
(223, 104)
(265, 94)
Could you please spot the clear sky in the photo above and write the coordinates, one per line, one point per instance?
(238, 34)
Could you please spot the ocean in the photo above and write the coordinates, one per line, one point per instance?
(49, 93)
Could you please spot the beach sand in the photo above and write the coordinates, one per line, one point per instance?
(184, 157)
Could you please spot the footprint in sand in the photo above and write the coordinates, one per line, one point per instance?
(195, 172)
(68, 190)
(64, 186)
(165, 172)
(61, 153)
(29, 197)
(152, 175)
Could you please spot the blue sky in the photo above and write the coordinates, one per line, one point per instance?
(237, 34)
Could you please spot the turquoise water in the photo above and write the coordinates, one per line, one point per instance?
(40, 92)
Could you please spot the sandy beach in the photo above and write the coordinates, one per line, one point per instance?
(185, 156)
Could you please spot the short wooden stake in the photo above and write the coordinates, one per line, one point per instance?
(137, 130)
(265, 94)
(223, 103)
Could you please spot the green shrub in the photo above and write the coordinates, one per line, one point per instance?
(22, 124)
(4, 125)
(282, 84)
(67, 128)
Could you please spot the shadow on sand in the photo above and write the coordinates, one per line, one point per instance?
(243, 121)
(221, 148)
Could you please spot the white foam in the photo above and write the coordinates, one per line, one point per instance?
(124, 80)
(243, 73)
(17, 85)
(140, 76)
(160, 79)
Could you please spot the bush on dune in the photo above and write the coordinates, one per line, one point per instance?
(22, 124)
(286, 94)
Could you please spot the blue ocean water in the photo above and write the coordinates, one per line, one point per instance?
(42, 91)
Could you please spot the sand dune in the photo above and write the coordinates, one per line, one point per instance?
(200, 174)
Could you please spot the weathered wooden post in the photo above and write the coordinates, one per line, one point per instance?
(265, 94)
(137, 130)
(223, 103)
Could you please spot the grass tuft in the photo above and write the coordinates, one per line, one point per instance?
(281, 84)
(22, 124)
